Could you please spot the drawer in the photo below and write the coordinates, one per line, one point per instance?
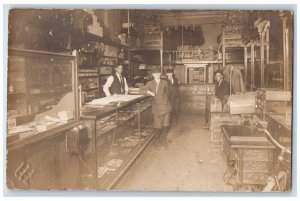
(253, 177)
(256, 154)
(256, 166)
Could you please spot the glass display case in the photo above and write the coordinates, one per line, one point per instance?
(42, 92)
(118, 136)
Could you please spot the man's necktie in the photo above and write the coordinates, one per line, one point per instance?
(122, 85)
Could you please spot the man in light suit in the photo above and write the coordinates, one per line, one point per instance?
(161, 106)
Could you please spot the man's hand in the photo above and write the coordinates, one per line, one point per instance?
(151, 93)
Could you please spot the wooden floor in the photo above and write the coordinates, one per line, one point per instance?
(188, 164)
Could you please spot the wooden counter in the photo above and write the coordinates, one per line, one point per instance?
(279, 129)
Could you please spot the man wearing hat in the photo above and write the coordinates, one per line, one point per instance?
(161, 106)
(175, 95)
(116, 83)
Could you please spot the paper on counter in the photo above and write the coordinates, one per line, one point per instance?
(19, 129)
(114, 98)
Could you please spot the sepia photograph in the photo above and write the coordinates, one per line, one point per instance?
(149, 100)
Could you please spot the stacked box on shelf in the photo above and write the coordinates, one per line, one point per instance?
(216, 120)
(105, 70)
(89, 79)
(268, 99)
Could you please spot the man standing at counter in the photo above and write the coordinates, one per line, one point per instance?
(222, 89)
(116, 83)
(161, 106)
(175, 95)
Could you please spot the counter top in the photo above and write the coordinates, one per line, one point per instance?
(280, 119)
(244, 135)
(96, 112)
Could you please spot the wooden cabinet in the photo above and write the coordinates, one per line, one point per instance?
(250, 151)
(43, 165)
(37, 154)
(254, 165)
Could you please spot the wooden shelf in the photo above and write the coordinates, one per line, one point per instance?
(197, 62)
(112, 57)
(98, 66)
(91, 89)
(80, 76)
(16, 93)
(102, 56)
(106, 65)
(146, 49)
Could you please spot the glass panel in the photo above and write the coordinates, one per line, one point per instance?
(40, 94)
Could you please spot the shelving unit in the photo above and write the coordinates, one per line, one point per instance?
(101, 64)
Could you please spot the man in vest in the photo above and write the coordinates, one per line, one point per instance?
(161, 106)
(116, 83)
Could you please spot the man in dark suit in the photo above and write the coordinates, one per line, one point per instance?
(175, 94)
(161, 106)
(222, 89)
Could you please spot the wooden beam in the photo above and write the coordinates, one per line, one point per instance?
(285, 55)
(252, 66)
(246, 63)
(223, 48)
(262, 59)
